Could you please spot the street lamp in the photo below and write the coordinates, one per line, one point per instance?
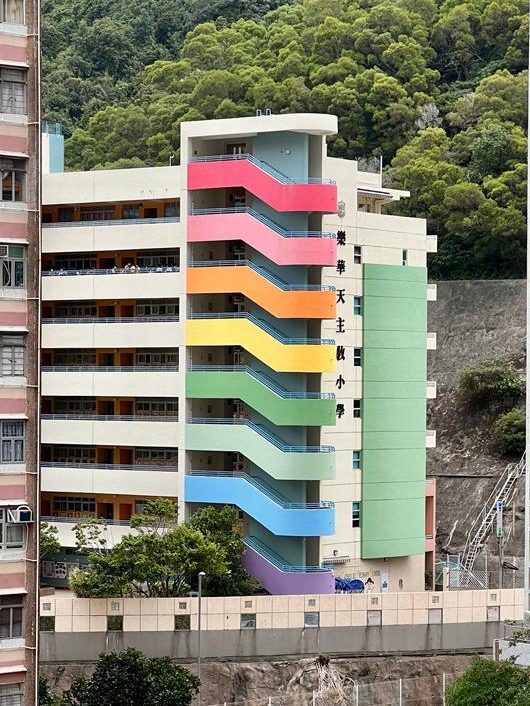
(201, 576)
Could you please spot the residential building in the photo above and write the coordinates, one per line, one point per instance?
(19, 317)
(248, 329)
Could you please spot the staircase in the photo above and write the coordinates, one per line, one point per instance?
(504, 490)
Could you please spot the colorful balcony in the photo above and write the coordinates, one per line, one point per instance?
(281, 299)
(264, 181)
(268, 451)
(262, 234)
(262, 393)
(260, 501)
(300, 355)
(280, 578)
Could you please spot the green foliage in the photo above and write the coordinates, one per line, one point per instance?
(510, 432)
(491, 381)
(163, 559)
(437, 88)
(488, 683)
(48, 540)
(129, 677)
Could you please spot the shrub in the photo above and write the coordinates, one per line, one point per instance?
(493, 380)
(510, 431)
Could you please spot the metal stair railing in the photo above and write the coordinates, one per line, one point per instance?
(504, 490)
(263, 219)
(276, 560)
(263, 272)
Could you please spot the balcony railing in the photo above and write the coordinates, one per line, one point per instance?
(263, 219)
(76, 465)
(111, 222)
(265, 326)
(113, 271)
(109, 368)
(267, 553)
(264, 166)
(265, 489)
(275, 440)
(111, 319)
(75, 520)
(280, 283)
(113, 417)
(264, 379)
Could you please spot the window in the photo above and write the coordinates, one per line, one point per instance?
(12, 12)
(164, 407)
(356, 409)
(12, 355)
(139, 507)
(356, 460)
(13, 179)
(11, 694)
(97, 213)
(157, 357)
(74, 357)
(13, 91)
(66, 215)
(76, 262)
(311, 619)
(68, 505)
(73, 454)
(162, 307)
(357, 255)
(182, 622)
(162, 258)
(373, 617)
(355, 514)
(404, 257)
(156, 457)
(115, 623)
(13, 267)
(74, 405)
(248, 621)
(12, 441)
(357, 306)
(357, 357)
(76, 310)
(182, 605)
(12, 536)
(11, 608)
(171, 209)
(130, 210)
(46, 624)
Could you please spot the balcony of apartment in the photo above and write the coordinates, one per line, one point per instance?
(269, 184)
(430, 515)
(260, 445)
(110, 422)
(122, 373)
(261, 502)
(112, 324)
(263, 287)
(120, 226)
(130, 275)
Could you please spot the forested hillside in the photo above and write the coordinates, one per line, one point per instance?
(438, 88)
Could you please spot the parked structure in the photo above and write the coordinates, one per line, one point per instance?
(249, 329)
(19, 316)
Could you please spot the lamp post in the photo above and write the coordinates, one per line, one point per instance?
(201, 576)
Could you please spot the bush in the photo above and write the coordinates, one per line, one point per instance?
(510, 431)
(494, 380)
(488, 683)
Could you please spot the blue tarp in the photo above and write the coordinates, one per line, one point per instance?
(349, 585)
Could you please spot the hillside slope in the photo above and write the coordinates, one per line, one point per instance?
(473, 320)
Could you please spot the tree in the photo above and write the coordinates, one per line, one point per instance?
(48, 540)
(510, 432)
(488, 683)
(131, 678)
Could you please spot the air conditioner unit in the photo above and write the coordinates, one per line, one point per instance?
(3, 250)
(20, 515)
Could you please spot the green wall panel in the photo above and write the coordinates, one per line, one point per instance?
(394, 403)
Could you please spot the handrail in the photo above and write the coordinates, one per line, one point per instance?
(111, 222)
(108, 466)
(264, 379)
(267, 553)
(75, 520)
(110, 319)
(266, 221)
(109, 368)
(280, 283)
(113, 417)
(264, 166)
(113, 271)
(264, 326)
(277, 498)
(263, 432)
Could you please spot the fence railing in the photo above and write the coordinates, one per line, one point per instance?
(111, 319)
(112, 417)
(78, 466)
(112, 271)
(112, 222)
(109, 368)
(279, 562)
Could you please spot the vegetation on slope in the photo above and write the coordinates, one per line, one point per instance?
(437, 88)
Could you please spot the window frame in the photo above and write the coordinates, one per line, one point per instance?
(357, 408)
(357, 357)
(16, 345)
(356, 513)
(14, 171)
(9, 83)
(6, 543)
(17, 605)
(13, 440)
(356, 460)
(8, 15)
(357, 255)
(11, 698)
(357, 305)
